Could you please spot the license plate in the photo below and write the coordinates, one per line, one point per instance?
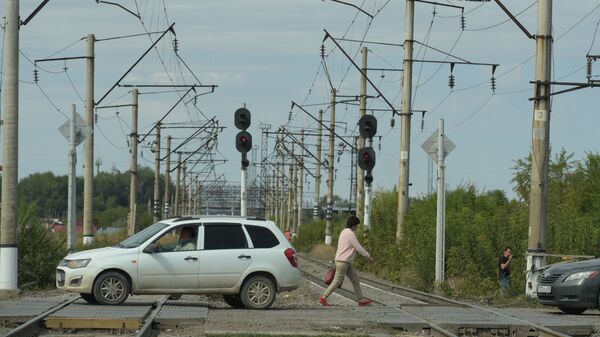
(60, 277)
(544, 289)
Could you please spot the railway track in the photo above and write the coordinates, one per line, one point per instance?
(35, 325)
(520, 326)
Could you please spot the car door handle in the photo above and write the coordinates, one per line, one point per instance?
(244, 256)
(191, 258)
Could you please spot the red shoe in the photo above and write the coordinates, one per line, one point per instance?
(324, 302)
(364, 302)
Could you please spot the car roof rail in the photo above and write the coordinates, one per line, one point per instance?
(256, 218)
(184, 218)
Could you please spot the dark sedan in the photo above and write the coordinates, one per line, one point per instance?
(572, 287)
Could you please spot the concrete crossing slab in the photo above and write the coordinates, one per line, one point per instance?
(174, 314)
(81, 315)
(22, 311)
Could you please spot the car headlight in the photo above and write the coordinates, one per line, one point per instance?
(74, 264)
(582, 275)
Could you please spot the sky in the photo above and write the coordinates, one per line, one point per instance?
(266, 54)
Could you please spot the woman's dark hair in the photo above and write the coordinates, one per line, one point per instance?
(352, 221)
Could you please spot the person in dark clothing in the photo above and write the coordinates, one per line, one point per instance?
(504, 269)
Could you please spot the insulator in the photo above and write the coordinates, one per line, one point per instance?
(451, 81)
(290, 117)
(589, 68)
(422, 124)
(322, 51)
(36, 75)
(175, 45)
(95, 118)
(463, 23)
(493, 81)
(392, 122)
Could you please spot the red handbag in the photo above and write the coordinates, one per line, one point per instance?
(330, 275)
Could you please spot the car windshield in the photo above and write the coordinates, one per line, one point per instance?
(138, 238)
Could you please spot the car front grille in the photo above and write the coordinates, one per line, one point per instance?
(549, 279)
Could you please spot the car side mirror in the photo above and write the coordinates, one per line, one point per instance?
(152, 248)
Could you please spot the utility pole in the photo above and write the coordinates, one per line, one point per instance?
(318, 170)
(88, 177)
(281, 174)
(72, 207)
(133, 140)
(294, 164)
(301, 186)
(440, 228)
(190, 191)
(403, 184)
(360, 175)
(167, 197)
(289, 223)
(330, 158)
(177, 188)
(538, 212)
(183, 189)
(157, 174)
(10, 153)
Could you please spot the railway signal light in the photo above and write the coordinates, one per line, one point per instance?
(242, 119)
(367, 126)
(366, 159)
(243, 141)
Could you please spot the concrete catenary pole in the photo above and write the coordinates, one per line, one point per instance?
(440, 228)
(190, 201)
(72, 207)
(330, 158)
(10, 153)
(156, 209)
(317, 200)
(177, 185)
(360, 175)
(289, 223)
(294, 164)
(183, 189)
(88, 176)
(403, 184)
(300, 186)
(133, 139)
(538, 199)
(167, 197)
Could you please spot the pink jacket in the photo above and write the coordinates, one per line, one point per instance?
(348, 246)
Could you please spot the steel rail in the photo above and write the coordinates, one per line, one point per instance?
(349, 294)
(435, 299)
(146, 329)
(402, 291)
(32, 326)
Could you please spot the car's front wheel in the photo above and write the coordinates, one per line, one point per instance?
(258, 292)
(234, 301)
(572, 311)
(111, 288)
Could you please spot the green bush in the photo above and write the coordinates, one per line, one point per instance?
(40, 251)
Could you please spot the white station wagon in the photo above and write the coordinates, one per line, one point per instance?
(246, 260)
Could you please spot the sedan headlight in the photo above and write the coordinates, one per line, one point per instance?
(74, 264)
(582, 275)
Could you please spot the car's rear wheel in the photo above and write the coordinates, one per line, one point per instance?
(111, 288)
(234, 301)
(258, 292)
(572, 311)
(89, 298)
